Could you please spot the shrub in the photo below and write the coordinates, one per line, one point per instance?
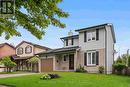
(119, 67)
(101, 69)
(128, 71)
(45, 77)
(49, 76)
(80, 69)
(129, 61)
(54, 76)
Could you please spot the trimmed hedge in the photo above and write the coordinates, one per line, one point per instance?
(80, 69)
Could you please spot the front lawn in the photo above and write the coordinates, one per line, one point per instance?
(69, 79)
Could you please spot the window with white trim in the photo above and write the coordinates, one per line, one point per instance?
(20, 51)
(91, 58)
(91, 36)
(28, 49)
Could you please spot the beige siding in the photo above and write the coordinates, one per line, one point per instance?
(100, 44)
(60, 64)
(24, 45)
(38, 50)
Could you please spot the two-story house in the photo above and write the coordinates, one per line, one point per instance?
(91, 48)
(6, 50)
(26, 50)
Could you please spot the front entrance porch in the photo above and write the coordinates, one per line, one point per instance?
(65, 62)
(61, 59)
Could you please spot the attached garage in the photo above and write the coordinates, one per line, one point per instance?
(47, 65)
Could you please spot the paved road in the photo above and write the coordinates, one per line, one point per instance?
(14, 75)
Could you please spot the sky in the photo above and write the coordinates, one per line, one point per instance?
(85, 13)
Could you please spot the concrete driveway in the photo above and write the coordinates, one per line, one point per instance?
(15, 75)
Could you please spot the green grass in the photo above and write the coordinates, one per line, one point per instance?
(69, 79)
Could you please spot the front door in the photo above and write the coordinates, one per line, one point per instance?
(71, 61)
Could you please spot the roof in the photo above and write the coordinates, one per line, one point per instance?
(64, 49)
(3, 44)
(73, 36)
(15, 57)
(93, 27)
(100, 27)
(36, 45)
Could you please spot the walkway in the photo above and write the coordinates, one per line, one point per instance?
(14, 75)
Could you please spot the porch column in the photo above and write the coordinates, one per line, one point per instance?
(39, 65)
(75, 60)
(54, 63)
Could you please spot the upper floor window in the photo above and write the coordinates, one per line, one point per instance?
(20, 51)
(69, 42)
(91, 36)
(28, 49)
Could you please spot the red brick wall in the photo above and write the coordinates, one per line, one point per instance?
(6, 51)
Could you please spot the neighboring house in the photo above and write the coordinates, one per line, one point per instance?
(26, 50)
(6, 50)
(91, 48)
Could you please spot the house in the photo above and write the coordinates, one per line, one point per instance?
(26, 50)
(91, 48)
(6, 50)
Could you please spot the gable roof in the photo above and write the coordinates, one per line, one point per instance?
(73, 36)
(64, 49)
(101, 26)
(3, 44)
(35, 45)
(93, 27)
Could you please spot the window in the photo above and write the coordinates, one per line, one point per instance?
(91, 58)
(91, 36)
(28, 49)
(20, 51)
(65, 57)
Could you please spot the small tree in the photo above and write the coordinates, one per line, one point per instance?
(124, 58)
(119, 60)
(8, 63)
(34, 60)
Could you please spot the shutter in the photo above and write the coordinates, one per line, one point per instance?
(97, 58)
(66, 42)
(97, 34)
(85, 36)
(85, 59)
(72, 41)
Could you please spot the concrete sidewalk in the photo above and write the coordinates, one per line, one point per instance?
(15, 75)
